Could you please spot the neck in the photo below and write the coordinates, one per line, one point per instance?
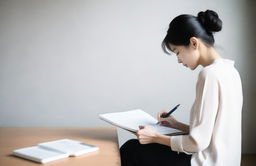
(208, 56)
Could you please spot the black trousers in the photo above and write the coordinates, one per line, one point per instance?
(135, 154)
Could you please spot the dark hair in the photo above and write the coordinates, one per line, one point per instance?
(185, 26)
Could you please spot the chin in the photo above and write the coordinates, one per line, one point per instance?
(193, 67)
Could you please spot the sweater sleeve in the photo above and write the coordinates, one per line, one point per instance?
(202, 116)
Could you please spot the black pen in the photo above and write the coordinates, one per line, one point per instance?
(169, 113)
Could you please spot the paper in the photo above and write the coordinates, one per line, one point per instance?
(53, 150)
(71, 147)
(39, 154)
(131, 120)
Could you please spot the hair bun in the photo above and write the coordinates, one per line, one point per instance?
(210, 21)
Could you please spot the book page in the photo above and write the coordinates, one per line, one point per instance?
(39, 154)
(131, 120)
(69, 146)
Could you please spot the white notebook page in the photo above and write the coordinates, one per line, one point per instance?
(68, 146)
(131, 120)
(38, 154)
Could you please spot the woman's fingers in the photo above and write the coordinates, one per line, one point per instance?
(146, 134)
(159, 114)
(141, 127)
(164, 123)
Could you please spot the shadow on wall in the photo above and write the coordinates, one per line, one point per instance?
(249, 108)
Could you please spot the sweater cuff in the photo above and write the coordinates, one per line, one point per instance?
(176, 143)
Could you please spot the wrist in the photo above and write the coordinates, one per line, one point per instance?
(162, 139)
(183, 127)
(179, 125)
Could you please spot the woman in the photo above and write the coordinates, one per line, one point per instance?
(214, 129)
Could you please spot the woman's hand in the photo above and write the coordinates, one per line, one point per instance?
(147, 135)
(170, 121)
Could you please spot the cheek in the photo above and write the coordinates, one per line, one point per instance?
(186, 58)
(194, 59)
(190, 58)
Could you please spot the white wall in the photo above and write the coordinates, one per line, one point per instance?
(64, 62)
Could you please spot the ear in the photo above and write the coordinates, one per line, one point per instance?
(194, 42)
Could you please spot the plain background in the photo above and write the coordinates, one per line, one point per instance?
(64, 62)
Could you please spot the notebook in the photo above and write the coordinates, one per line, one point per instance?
(131, 120)
(54, 150)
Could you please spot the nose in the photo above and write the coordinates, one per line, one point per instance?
(179, 60)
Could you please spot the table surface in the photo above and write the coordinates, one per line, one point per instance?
(19, 137)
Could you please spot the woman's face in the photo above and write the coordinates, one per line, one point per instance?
(187, 55)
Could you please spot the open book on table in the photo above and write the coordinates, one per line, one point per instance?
(131, 120)
(54, 150)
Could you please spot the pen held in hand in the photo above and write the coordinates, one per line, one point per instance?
(169, 113)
